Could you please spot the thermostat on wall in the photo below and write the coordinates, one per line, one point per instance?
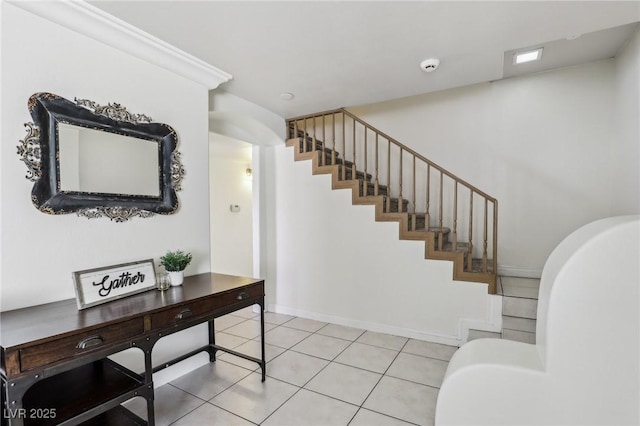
(234, 208)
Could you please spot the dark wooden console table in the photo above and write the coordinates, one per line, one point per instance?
(53, 357)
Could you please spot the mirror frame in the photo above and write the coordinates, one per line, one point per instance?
(40, 152)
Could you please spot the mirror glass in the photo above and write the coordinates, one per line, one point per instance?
(102, 162)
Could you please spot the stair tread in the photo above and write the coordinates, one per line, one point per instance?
(435, 229)
(527, 288)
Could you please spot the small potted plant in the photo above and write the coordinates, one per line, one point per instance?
(175, 262)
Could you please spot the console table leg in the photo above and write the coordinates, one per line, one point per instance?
(212, 341)
(151, 412)
(263, 365)
(13, 412)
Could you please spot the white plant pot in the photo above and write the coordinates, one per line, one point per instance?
(176, 277)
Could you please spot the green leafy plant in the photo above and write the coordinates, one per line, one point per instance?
(175, 260)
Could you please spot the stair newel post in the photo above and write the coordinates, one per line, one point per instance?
(485, 236)
(376, 183)
(333, 138)
(441, 202)
(353, 166)
(295, 129)
(344, 149)
(470, 248)
(413, 216)
(427, 219)
(400, 204)
(388, 176)
(455, 216)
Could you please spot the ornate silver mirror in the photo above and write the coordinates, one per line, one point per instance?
(99, 161)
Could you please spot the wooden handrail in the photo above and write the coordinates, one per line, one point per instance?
(400, 145)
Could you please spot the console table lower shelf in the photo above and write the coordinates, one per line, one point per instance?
(54, 364)
(82, 393)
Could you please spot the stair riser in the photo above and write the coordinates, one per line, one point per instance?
(371, 190)
(394, 206)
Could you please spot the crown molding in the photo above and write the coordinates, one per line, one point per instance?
(88, 20)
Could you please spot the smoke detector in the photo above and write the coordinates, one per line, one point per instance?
(429, 65)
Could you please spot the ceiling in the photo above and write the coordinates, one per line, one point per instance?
(331, 54)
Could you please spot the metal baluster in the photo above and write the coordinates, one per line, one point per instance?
(323, 157)
(400, 196)
(441, 233)
(333, 138)
(455, 216)
(470, 248)
(427, 219)
(314, 134)
(388, 176)
(344, 150)
(413, 216)
(365, 181)
(495, 236)
(353, 166)
(375, 186)
(484, 243)
(306, 141)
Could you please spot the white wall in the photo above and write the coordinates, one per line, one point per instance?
(40, 251)
(334, 262)
(237, 118)
(627, 114)
(544, 145)
(231, 232)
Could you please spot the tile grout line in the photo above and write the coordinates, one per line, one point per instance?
(329, 362)
(285, 350)
(321, 370)
(377, 383)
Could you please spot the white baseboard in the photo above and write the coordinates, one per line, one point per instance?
(367, 325)
(493, 324)
(516, 271)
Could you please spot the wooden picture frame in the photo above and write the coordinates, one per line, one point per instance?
(102, 285)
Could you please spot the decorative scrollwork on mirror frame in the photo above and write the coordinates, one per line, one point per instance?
(29, 152)
(114, 111)
(117, 214)
(40, 151)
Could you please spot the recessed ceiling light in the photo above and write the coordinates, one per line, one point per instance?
(286, 96)
(531, 55)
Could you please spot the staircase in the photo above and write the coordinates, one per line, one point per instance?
(429, 203)
(519, 310)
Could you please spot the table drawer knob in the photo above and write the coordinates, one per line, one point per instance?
(184, 314)
(89, 342)
(242, 295)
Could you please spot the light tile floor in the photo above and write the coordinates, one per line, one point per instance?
(317, 374)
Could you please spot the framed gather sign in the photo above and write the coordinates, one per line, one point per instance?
(101, 285)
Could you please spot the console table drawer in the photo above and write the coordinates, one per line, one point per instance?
(67, 347)
(204, 307)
